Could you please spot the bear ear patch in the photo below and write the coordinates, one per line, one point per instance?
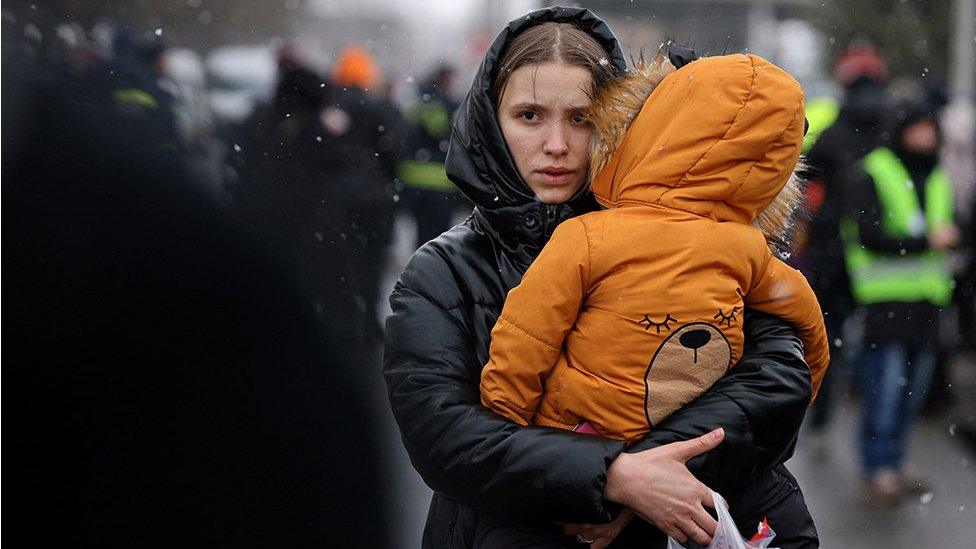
(680, 55)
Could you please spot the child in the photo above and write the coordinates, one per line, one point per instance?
(633, 311)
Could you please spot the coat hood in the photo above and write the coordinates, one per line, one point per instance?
(719, 137)
(478, 160)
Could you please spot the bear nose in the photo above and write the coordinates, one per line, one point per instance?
(695, 339)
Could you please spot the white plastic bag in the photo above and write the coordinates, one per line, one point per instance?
(727, 535)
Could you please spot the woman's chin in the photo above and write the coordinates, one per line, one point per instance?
(556, 195)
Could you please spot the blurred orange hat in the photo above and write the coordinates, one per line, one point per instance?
(355, 66)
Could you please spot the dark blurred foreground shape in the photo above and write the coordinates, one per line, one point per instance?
(167, 381)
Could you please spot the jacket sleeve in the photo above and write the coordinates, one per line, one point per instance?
(460, 448)
(538, 315)
(760, 403)
(783, 291)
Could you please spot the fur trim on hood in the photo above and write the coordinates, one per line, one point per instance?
(776, 101)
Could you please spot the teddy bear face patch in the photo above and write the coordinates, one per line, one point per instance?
(686, 363)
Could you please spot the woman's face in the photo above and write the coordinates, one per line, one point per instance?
(542, 114)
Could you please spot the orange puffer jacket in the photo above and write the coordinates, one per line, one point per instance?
(633, 311)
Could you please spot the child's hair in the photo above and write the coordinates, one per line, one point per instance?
(559, 42)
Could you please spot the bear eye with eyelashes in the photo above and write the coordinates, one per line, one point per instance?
(728, 319)
(648, 323)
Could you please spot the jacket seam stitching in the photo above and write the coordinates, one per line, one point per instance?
(589, 261)
(738, 113)
(428, 298)
(768, 147)
(526, 332)
(515, 405)
(763, 272)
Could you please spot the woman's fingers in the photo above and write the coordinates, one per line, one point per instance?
(676, 533)
(706, 498)
(696, 532)
(688, 449)
(705, 521)
(707, 501)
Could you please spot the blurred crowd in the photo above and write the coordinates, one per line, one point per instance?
(888, 254)
(325, 163)
(133, 210)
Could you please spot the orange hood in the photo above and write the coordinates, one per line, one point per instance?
(718, 138)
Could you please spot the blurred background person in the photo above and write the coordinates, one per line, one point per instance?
(898, 235)
(131, 84)
(966, 289)
(365, 151)
(834, 147)
(429, 195)
(281, 161)
(965, 296)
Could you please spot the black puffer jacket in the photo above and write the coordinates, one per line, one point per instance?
(445, 305)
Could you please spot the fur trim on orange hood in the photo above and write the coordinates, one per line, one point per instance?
(719, 138)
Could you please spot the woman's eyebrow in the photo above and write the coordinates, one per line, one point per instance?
(529, 106)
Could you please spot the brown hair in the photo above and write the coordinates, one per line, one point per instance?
(559, 42)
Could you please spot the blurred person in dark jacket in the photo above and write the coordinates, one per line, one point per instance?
(129, 84)
(283, 158)
(362, 170)
(898, 229)
(858, 130)
(966, 293)
(429, 194)
(966, 298)
(166, 382)
(490, 474)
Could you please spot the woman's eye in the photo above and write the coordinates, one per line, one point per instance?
(529, 116)
(578, 119)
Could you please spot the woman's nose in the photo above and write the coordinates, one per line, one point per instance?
(555, 141)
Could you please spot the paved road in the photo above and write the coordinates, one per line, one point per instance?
(945, 517)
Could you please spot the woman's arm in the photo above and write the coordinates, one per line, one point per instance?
(760, 404)
(782, 291)
(461, 449)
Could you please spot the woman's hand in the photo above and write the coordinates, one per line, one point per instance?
(599, 536)
(659, 488)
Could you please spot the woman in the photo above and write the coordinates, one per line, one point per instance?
(525, 179)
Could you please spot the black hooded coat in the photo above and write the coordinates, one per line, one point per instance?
(446, 303)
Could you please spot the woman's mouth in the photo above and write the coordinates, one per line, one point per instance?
(556, 176)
